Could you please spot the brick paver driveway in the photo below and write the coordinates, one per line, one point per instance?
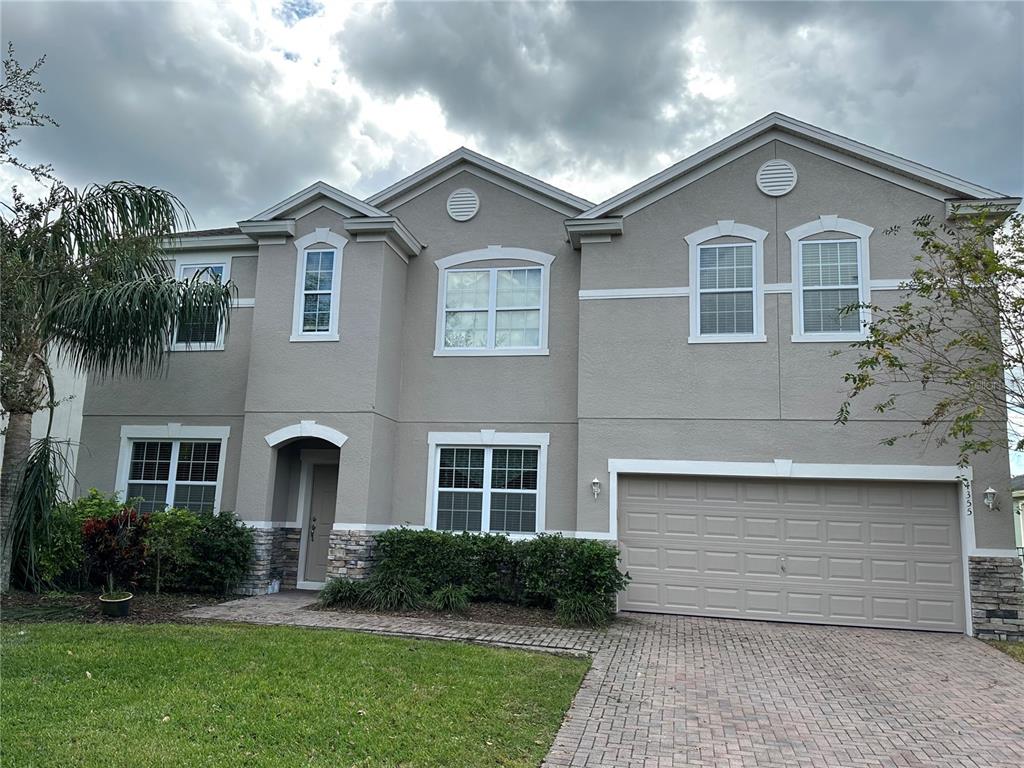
(677, 691)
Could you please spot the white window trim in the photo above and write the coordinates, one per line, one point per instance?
(859, 232)
(204, 260)
(494, 253)
(726, 228)
(174, 432)
(487, 438)
(303, 244)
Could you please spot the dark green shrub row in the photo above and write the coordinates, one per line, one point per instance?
(96, 536)
(578, 577)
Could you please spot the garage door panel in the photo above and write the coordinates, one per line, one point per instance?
(868, 554)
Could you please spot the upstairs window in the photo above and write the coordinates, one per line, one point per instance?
(829, 281)
(317, 294)
(493, 310)
(726, 289)
(318, 286)
(726, 283)
(200, 335)
(829, 274)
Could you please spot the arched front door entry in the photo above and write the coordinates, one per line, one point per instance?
(306, 466)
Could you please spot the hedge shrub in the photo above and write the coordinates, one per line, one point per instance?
(222, 550)
(172, 543)
(541, 571)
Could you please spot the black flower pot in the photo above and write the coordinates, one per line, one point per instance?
(117, 605)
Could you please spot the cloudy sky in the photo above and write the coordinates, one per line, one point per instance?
(235, 105)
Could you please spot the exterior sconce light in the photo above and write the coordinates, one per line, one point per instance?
(990, 497)
(595, 487)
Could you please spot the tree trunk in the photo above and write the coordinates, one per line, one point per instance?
(17, 444)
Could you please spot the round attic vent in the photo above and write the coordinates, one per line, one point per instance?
(776, 177)
(463, 204)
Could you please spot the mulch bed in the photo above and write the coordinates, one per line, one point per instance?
(492, 613)
(83, 607)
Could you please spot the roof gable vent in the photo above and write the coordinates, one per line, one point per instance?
(776, 177)
(463, 204)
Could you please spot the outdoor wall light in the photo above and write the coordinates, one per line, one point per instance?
(990, 497)
(595, 487)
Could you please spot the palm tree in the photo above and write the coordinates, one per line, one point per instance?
(85, 280)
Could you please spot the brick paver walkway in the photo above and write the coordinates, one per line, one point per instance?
(679, 691)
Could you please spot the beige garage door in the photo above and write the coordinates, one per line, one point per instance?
(881, 554)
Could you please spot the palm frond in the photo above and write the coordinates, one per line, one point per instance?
(40, 491)
(113, 231)
(126, 328)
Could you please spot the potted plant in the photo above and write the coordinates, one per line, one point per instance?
(115, 603)
(116, 548)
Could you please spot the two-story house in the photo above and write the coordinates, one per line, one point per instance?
(472, 349)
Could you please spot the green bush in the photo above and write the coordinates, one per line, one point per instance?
(60, 554)
(539, 571)
(59, 550)
(388, 590)
(554, 567)
(342, 592)
(172, 540)
(222, 549)
(582, 610)
(450, 599)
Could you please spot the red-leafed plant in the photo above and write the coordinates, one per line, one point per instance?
(115, 547)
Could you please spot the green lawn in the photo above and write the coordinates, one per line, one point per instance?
(215, 695)
(1013, 650)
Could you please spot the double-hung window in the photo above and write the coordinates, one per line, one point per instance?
(318, 286)
(726, 277)
(496, 308)
(500, 310)
(829, 281)
(487, 489)
(487, 481)
(174, 473)
(200, 333)
(726, 283)
(317, 291)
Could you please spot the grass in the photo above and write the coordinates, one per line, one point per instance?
(1014, 650)
(219, 695)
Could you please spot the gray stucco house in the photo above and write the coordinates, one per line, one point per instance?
(474, 349)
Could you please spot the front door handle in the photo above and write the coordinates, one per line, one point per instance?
(312, 528)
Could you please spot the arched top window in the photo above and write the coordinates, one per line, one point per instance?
(317, 285)
(831, 272)
(727, 283)
(493, 310)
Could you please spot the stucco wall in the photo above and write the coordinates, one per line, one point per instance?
(645, 393)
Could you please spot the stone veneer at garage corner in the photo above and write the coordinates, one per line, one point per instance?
(997, 598)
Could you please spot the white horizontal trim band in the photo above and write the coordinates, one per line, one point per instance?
(788, 468)
(1008, 553)
(591, 294)
(243, 303)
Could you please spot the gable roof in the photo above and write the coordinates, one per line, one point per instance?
(466, 159)
(804, 135)
(318, 189)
